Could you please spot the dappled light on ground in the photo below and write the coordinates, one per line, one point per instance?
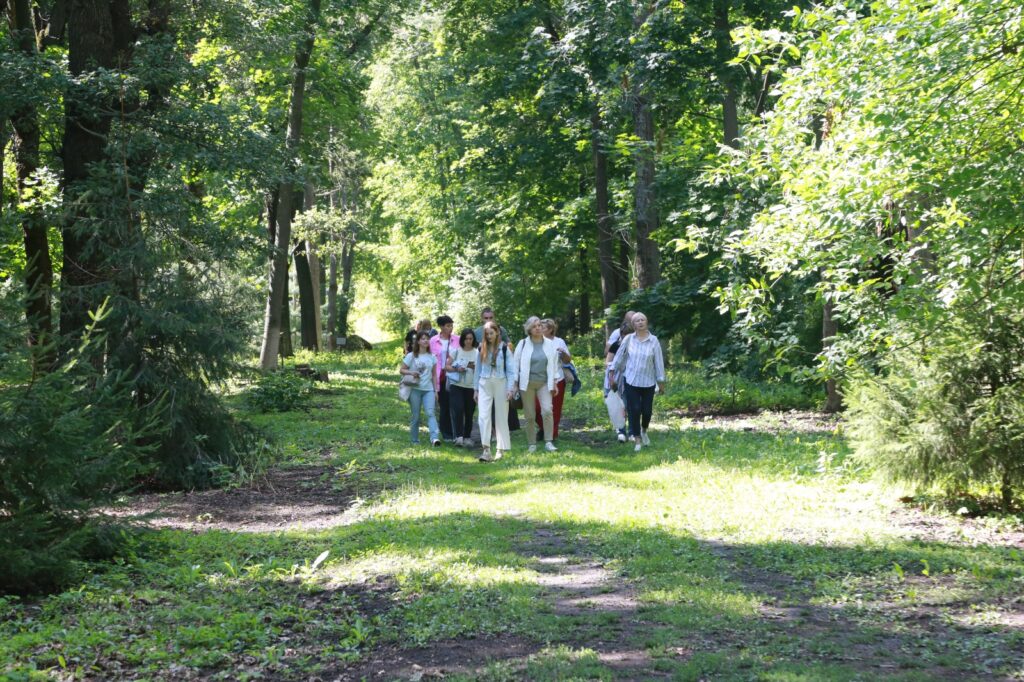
(714, 553)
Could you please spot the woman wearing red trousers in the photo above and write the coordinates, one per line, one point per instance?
(564, 358)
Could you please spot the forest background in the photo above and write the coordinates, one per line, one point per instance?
(826, 194)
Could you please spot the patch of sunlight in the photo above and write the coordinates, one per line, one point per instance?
(462, 568)
(708, 597)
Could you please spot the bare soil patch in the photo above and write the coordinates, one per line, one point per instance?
(296, 498)
(800, 421)
(918, 524)
(436, 661)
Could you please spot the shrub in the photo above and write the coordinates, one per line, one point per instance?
(68, 440)
(280, 391)
(952, 418)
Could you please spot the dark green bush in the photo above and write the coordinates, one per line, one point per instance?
(69, 439)
(280, 391)
(951, 417)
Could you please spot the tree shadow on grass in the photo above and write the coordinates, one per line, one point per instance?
(402, 592)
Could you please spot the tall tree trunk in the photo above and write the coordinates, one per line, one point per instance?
(584, 316)
(315, 272)
(307, 323)
(647, 256)
(99, 36)
(829, 329)
(348, 258)
(332, 302)
(279, 259)
(38, 266)
(286, 348)
(612, 284)
(724, 53)
(332, 280)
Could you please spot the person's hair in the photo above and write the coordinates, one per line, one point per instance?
(486, 309)
(548, 322)
(410, 340)
(442, 320)
(463, 334)
(416, 344)
(423, 325)
(530, 321)
(639, 314)
(486, 350)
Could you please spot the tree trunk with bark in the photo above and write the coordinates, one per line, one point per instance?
(38, 266)
(724, 53)
(584, 321)
(612, 279)
(100, 35)
(348, 259)
(278, 284)
(829, 329)
(648, 269)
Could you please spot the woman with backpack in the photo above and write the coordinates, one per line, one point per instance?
(640, 363)
(495, 380)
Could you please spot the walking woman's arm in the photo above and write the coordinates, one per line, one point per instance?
(659, 366)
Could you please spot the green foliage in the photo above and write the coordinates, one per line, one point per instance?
(952, 417)
(69, 439)
(280, 391)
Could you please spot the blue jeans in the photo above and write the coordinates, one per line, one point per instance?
(426, 399)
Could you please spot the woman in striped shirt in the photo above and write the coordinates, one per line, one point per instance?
(640, 363)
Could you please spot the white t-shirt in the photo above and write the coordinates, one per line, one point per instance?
(464, 357)
(424, 364)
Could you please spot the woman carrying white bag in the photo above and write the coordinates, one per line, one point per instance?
(613, 392)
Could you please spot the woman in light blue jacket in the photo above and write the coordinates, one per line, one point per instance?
(495, 381)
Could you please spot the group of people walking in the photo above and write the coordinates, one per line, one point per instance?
(479, 368)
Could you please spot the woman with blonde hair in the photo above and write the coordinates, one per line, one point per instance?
(558, 397)
(536, 365)
(495, 380)
(640, 363)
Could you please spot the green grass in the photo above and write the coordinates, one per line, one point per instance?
(712, 528)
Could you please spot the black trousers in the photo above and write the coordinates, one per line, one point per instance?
(444, 417)
(463, 408)
(639, 406)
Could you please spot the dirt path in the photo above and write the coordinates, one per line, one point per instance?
(296, 498)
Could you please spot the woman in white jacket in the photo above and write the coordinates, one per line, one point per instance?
(537, 363)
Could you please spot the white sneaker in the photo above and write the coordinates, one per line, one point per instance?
(458, 442)
(622, 437)
(498, 455)
(644, 439)
(636, 448)
(532, 448)
(550, 447)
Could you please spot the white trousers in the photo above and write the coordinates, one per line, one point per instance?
(493, 392)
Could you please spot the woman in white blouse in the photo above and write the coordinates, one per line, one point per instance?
(537, 364)
(640, 363)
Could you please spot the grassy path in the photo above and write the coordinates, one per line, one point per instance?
(744, 549)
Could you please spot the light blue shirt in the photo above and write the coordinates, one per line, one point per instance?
(502, 368)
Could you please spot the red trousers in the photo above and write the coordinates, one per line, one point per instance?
(556, 408)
